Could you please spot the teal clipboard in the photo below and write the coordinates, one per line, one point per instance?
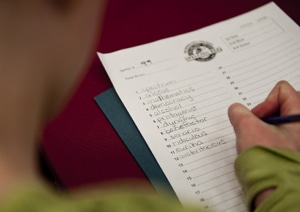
(111, 105)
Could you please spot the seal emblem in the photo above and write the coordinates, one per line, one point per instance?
(201, 51)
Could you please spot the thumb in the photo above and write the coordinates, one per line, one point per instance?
(237, 114)
(243, 122)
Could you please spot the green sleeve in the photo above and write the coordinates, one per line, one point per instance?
(259, 168)
(43, 198)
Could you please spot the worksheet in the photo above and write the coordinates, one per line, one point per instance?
(178, 90)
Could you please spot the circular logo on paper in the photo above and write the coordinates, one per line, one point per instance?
(201, 51)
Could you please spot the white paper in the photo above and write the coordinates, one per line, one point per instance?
(178, 90)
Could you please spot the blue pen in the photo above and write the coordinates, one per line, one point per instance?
(282, 119)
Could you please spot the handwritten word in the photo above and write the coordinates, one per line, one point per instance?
(181, 119)
(172, 101)
(180, 114)
(166, 110)
(168, 96)
(187, 139)
(187, 132)
(201, 149)
(146, 62)
(157, 86)
(188, 146)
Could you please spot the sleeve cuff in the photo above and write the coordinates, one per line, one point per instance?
(260, 168)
